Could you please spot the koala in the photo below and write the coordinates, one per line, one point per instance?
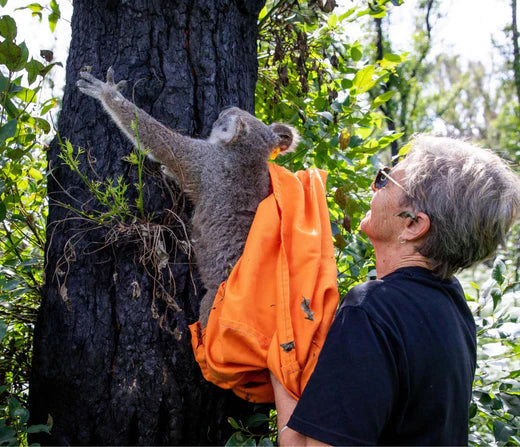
(225, 176)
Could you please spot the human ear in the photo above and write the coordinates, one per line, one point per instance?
(415, 228)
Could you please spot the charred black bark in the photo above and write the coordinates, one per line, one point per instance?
(113, 363)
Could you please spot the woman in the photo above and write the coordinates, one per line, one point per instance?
(399, 360)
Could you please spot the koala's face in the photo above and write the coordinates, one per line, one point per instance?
(237, 127)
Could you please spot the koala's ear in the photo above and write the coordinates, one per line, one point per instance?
(228, 129)
(289, 137)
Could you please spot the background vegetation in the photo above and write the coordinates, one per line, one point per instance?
(356, 103)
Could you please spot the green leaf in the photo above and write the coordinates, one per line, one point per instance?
(34, 7)
(326, 115)
(22, 413)
(33, 68)
(363, 80)
(355, 141)
(256, 420)
(472, 410)
(381, 99)
(265, 441)
(390, 60)
(496, 294)
(24, 56)
(40, 428)
(499, 271)
(239, 438)
(3, 331)
(263, 13)
(355, 53)
(54, 16)
(10, 53)
(7, 28)
(13, 404)
(332, 21)
(8, 130)
(393, 58)
(48, 105)
(485, 399)
(7, 435)
(233, 423)
(385, 141)
(27, 95)
(501, 431)
(35, 174)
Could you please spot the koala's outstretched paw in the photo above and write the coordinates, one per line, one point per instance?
(96, 88)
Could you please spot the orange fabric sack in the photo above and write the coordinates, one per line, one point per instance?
(275, 309)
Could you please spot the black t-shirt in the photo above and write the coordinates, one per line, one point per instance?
(397, 366)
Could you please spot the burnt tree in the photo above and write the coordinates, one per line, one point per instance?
(113, 363)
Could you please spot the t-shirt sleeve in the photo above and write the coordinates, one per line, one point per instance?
(350, 394)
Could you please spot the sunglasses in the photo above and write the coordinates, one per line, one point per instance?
(381, 181)
(382, 178)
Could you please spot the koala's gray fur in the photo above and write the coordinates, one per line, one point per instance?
(225, 176)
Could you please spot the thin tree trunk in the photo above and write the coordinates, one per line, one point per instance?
(113, 363)
(516, 53)
(387, 108)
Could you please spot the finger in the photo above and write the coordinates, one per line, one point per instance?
(92, 79)
(87, 88)
(121, 85)
(110, 75)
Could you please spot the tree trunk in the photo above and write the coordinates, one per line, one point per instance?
(113, 363)
(516, 53)
(387, 108)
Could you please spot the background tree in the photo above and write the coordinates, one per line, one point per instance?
(112, 360)
(410, 71)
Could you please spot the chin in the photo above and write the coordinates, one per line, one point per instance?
(364, 221)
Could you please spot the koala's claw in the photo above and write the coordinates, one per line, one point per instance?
(94, 87)
(121, 85)
(110, 80)
(110, 75)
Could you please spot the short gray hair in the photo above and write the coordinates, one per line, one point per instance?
(470, 194)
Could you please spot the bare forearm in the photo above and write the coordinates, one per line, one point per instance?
(285, 406)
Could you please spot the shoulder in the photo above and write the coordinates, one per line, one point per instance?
(406, 293)
(376, 292)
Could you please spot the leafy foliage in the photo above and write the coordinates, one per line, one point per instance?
(259, 429)
(23, 131)
(311, 75)
(496, 394)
